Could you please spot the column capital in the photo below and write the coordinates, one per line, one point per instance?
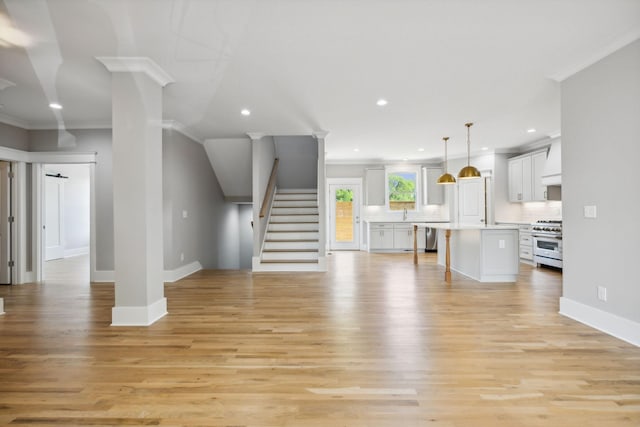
(255, 136)
(137, 64)
(320, 134)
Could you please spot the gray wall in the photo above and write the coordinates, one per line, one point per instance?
(245, 214)
(209, 233)
(90, 141)
(601, 141)
(14, 137)
(298, 166)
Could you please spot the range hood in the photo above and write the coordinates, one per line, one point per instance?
(552, 173)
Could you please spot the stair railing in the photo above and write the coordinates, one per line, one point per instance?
(268, 195)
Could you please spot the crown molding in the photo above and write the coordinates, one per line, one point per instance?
(579, 65)
(136, 64)
(255, 135)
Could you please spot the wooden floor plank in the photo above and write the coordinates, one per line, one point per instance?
(376, 341)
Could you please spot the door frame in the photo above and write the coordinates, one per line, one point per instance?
(357, 182)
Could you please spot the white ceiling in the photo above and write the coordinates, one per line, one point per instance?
(307, 65)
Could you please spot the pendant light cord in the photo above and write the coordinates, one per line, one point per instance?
(468, 125)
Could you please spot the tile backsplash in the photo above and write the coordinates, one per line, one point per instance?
(532, 211)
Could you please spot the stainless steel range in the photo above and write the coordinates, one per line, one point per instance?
(547, 242)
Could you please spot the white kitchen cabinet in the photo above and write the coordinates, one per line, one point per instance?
(375, 187)
(539, 191)
(393, 237)
(526, 244)
(525, 177)
(432, 192)
(381, 236)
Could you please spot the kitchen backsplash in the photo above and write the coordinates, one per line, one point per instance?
(531, 212)
(431, 212)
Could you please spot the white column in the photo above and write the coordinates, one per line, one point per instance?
(322, 200)
(137, 190)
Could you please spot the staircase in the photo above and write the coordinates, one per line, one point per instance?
(292, 239)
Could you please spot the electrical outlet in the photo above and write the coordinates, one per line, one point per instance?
(185, 214)
(590, 212)
(501, 244)
(602, 293)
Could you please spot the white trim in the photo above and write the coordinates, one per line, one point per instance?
(13, 155)
(139, 316)
(137, 64)
(103, 276)
(21, 221)
(1, 306)
(577, 66)
(37, 252)
(61, 157)
(70, 126)
(28, 277)
(93, 230)
(171, 276)
(68, 253)
(619, 327)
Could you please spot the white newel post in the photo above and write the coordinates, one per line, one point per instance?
(255, 196)
(322, 200)
(137, 190)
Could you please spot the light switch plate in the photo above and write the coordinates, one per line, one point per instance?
(590, 211)
(185, 214)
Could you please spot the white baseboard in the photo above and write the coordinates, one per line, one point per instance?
(102, 276)
(68, 253)
(171, 276)
(619, 327)
(1, 306)
(139, 316)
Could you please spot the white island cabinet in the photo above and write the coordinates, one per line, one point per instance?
(485, 253)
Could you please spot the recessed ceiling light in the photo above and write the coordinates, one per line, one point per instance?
(532, 130)
(55, 106)
(420, 149)
(245, 112)
(381, 102)
(356, 149)
(484, 148)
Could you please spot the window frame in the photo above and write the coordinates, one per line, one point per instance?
(393, 169)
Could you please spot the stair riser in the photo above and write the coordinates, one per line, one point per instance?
(293, 235)
(294, 218)
(291, 245)
(297, 190)
(293, 227)
(289, 256)
(295, 204)
(308, 197)
(294, 211)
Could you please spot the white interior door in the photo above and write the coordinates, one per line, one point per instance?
(471, 201)
(5, 225)
(54, 218)
(344, 216)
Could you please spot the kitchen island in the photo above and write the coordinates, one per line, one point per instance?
(486, 253)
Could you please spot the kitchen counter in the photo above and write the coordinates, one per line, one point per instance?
(486, 253)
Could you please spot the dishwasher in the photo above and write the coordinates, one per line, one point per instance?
(432, 239)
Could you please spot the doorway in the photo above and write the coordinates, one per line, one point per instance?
(344, 215)
(6, 221)
(66, 204)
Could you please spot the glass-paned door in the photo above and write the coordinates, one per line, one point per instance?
(345, 216)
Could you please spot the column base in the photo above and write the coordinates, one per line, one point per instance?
(139, 316)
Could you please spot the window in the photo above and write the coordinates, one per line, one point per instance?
(402, 188)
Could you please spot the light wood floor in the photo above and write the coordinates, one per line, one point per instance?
(376, 341)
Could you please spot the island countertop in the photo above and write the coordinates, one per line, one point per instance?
(460, 226)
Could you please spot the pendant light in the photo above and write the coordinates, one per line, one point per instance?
(446, 177)
(468, 171)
